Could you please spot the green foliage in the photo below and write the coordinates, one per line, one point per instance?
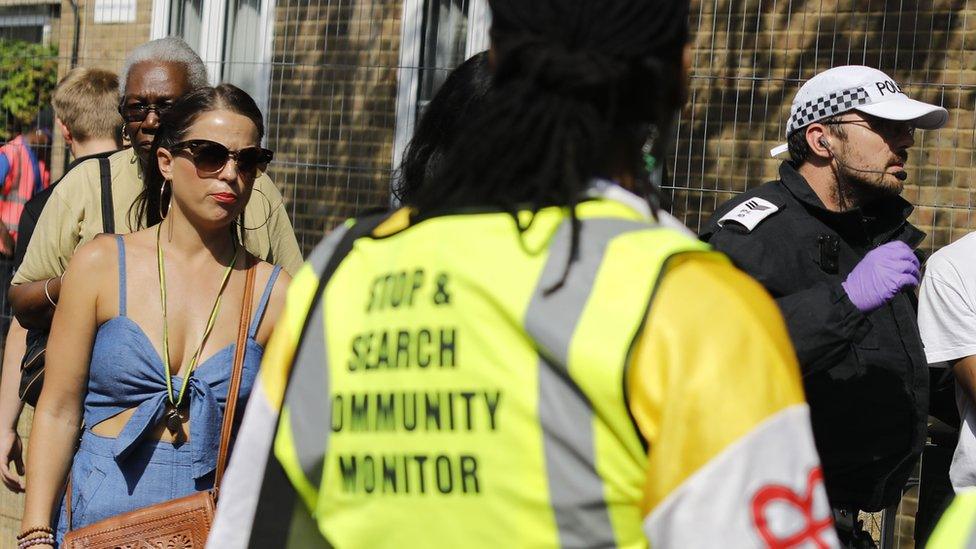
(28, 74)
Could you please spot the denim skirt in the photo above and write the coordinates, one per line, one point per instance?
(102, 487)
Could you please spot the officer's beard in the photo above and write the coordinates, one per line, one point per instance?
(856, 188)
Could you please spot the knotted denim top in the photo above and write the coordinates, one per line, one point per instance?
(126, 372)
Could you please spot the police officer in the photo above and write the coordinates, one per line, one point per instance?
(518, 359)
(831, 242)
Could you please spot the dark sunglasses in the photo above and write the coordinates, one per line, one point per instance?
(137, 112)
(210, 157)
(881, 126)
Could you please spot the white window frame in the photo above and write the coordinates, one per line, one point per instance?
(214, 19)
(408, 79)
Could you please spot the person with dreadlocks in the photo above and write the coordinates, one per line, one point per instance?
(517, 357)
(461, 95)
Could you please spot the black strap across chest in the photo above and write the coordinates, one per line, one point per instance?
(108, 209)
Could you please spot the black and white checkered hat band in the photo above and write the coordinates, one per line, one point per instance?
(828, 105)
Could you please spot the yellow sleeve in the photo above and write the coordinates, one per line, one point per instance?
(957, 526)
(56, 235)
(284, 245)
(715, 389)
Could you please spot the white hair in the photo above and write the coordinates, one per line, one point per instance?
(170, 49)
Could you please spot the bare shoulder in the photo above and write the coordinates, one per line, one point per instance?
(94, 256)
(95, 262)
(263, 277)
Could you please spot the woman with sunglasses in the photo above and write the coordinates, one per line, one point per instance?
(142, 344)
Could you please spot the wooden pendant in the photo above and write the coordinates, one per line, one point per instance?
(174, 423)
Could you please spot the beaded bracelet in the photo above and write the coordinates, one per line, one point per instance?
(24, 544)
(35, 530)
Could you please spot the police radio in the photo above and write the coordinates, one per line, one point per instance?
(829, 252)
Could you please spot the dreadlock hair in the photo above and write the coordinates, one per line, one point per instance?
(174, 125)
(461, 95)
(576, 85)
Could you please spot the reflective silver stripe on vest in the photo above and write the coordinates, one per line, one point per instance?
(322, 253)
(575, 488)
(307, 396)
(307, 399)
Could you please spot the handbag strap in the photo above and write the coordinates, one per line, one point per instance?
(108, 209)
(232, 391)
(235, 380)
(67, 496)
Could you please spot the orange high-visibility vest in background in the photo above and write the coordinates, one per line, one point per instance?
(18, 186)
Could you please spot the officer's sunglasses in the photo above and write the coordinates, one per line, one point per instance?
(137, 112)
(210, 157)
(881, 126)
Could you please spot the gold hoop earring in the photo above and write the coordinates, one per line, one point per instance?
(125, 131)
(162, 190)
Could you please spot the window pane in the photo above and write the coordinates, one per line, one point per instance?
(24, 23)
(184, 21)
(243, 50)
(445, 36)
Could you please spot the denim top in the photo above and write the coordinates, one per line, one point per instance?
(126, 372)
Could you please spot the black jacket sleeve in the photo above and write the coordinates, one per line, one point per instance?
(25, 228)
(822, 321)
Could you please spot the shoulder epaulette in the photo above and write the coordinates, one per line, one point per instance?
(750, 213)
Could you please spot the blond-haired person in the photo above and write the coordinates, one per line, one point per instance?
(85, 105)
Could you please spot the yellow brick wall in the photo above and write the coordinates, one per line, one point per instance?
(332, 114)
(102, 45)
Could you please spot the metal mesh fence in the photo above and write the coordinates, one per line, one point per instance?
(342, 83)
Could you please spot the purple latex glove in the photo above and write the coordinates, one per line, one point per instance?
(883, 272)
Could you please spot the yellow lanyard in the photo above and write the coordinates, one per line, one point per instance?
(175, 401)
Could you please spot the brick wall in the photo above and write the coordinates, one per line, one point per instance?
(103, 45)
(333, 109)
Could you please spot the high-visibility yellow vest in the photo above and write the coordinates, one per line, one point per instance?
(957, 527)
(463, 378)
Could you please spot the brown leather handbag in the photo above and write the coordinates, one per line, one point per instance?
(181, 523)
